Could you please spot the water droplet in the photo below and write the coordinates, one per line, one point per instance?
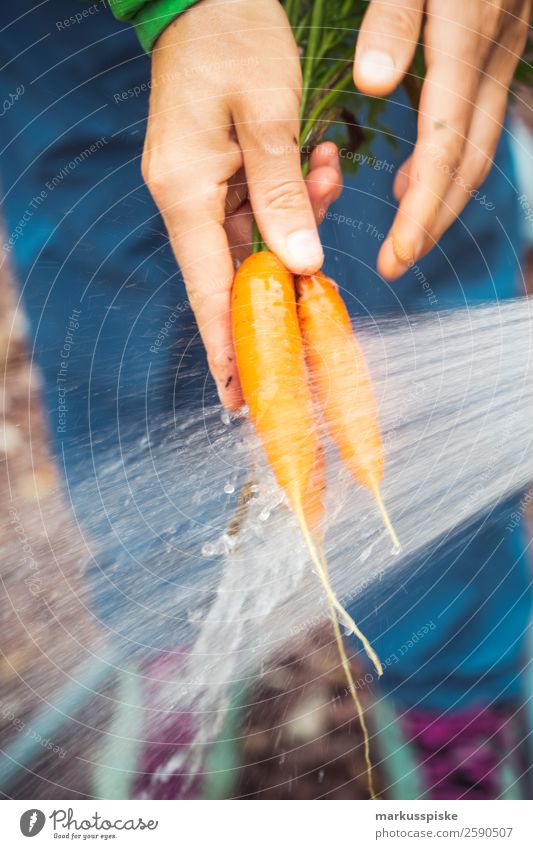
(320, 777)
(396, 550)
(254, 488)
(280, 498)
(208, 549)
(229, 541)
(194, 616)
(347, 627)
(229, 489)
(264, 515)
(366, 553)
(225, 418)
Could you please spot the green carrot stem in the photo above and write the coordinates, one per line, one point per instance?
(332, 72)
(309, 59)
(323, 79)
(291, 7)
(327, 101)
(257, 240)
(301, 27)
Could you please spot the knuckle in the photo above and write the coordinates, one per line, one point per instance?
(454, 150)
(197, 298)
(210, 197)
(404, 23)
(274, 129)
(274, 141)
(474, 54)
(447, 152)
(517, 38)
(156, 174)
(209, 293)
(492, 19)
(284, 196)
(171, 186)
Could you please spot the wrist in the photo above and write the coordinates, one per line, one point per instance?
(149, 17)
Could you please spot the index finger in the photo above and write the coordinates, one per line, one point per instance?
(190, 191)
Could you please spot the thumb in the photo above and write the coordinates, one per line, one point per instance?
(386, 44)
(278, 195)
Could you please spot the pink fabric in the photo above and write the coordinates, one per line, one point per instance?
(461, 752)
(166, 768)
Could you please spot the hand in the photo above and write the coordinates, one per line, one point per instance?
(471, 50)
(225, 100)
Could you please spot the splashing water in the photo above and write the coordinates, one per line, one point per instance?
(194, 553)
(455, 398)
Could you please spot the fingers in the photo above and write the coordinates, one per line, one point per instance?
(326, 153)
(239, 108)
(485, 130)
(190, 192)
(473, 164)
(324, 185)
(401, 181)
(202, 251)
(477, 161)
(324, 181)
(279, 199)
(455, 55)
(386, 44)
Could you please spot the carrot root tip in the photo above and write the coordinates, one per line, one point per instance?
(338, 613)
(397, 547)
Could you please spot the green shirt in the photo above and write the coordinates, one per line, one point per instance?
(149, 17)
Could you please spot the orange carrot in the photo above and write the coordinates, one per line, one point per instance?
(273, 376)
(342, 383)
(272, 372)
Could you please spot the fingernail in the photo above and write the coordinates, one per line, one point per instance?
(376, 65)
(304, 250)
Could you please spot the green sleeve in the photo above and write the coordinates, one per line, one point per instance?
(149, 17)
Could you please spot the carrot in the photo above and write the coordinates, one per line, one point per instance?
(272, 372)
(342, 383)
(273, 376)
